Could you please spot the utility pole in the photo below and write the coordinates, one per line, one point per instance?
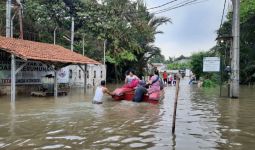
(83, 44)
(234, 85)
(20, 19)
(8, 18)
(54, 34)
(72, 33)
(13, 65)
(105, 42)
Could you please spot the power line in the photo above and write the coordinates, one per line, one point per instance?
(179, 5)
(162, 5)
(146, 9)
(223, 12)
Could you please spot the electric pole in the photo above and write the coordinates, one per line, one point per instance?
(72, 33)
(54, 35)
(105, 42)
(13, 62)
(83, 44)
(20, 19)
(234, 85)
(8, 18)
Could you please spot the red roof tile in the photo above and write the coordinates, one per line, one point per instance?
(31, 50)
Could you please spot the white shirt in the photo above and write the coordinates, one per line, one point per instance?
(129, 78)
(99, 94)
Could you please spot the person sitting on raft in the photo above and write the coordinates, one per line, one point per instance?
(98, 98)
(130, 77)
(131, 80)
(155, 84)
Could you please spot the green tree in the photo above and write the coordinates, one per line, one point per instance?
(247, 41)
(128, 27)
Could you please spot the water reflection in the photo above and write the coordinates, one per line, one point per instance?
(204, 121)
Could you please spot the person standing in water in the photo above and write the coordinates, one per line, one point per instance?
(165, 77)
(100, 90)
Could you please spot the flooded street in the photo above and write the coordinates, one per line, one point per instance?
(204, 121)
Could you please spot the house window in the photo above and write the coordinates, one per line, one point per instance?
(87, 74)
(95, 74)
(79, 74)
(70, 73)
(101, 74)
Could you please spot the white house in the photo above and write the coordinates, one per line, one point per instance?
(95, 74)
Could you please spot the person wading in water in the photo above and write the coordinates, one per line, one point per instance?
(98, 98)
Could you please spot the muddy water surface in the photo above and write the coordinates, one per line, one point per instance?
(204, 121)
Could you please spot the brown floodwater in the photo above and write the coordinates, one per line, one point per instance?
(204, 121)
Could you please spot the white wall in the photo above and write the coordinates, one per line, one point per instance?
(94, 76)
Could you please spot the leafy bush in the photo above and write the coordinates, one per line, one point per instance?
(208, 83)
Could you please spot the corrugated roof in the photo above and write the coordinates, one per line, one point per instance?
(31, 50)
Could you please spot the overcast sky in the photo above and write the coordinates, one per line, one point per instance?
(193, 28)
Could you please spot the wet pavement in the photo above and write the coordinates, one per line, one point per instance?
(204, 121)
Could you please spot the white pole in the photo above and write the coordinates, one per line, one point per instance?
(55, 83)
(12, 26)
(13, 78)
(83, 44)
(8, 34)
(72, 33)
(234, 93)
(105, 41)
(8, 18)
(85, 77)
(55, 36)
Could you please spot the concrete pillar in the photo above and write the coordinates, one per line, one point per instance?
(8, 18)
(55, 83)
(13, 78)
(85, 78)
(234, 92)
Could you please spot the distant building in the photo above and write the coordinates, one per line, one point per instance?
(160, 66)
(95, 74)
(35, 65)
(182, 61)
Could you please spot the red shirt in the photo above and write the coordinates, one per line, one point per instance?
(165, 75)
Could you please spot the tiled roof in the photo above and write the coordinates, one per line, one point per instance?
(31, 50)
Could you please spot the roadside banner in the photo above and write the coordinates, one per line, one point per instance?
(32, 73)
(211, 64)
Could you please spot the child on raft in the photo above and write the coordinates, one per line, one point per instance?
(100, 91)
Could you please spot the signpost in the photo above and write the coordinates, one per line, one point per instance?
(211, 64)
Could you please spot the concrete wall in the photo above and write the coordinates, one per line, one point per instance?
(20, 89)
(96, 73)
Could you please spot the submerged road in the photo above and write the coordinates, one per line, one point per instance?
(204, 121)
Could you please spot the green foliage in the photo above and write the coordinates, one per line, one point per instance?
(208, 83)
(196, 64)
(247, 41)
(129, 35)
(178, 66)
(157, 59)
